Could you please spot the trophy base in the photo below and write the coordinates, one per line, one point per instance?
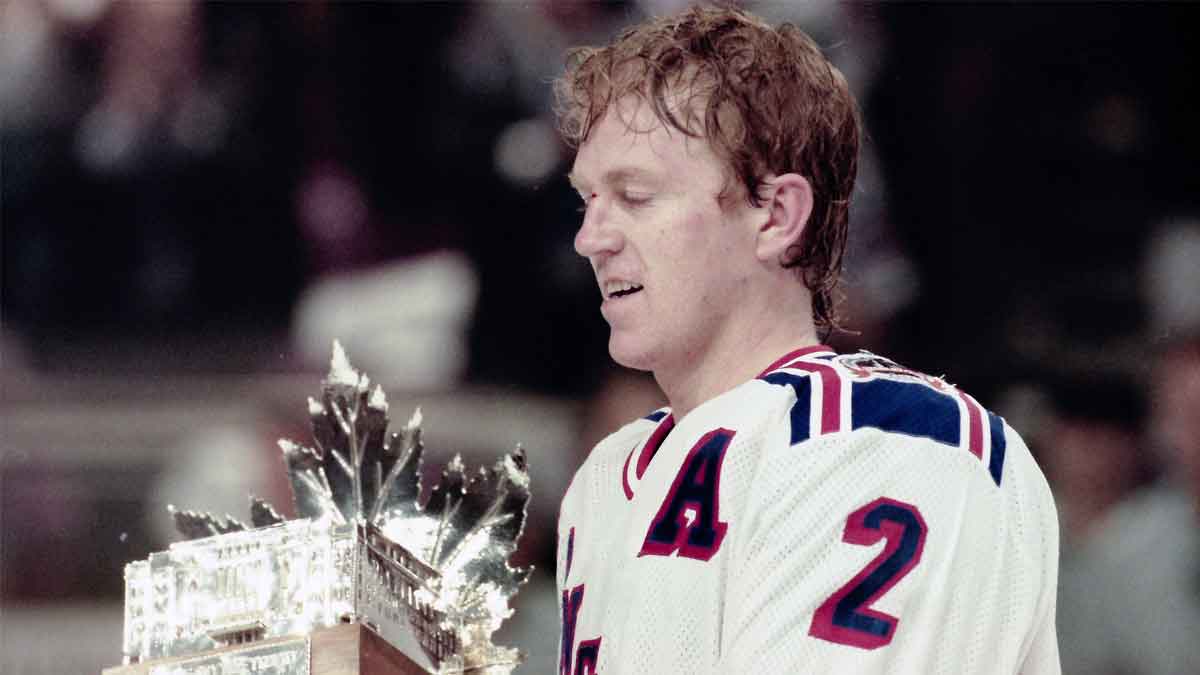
(348, 649)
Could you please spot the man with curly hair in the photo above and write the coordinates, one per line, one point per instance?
(793, 509)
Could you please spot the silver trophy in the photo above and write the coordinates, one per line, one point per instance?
(433, 581)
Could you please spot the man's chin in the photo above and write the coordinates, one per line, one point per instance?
(630, 355)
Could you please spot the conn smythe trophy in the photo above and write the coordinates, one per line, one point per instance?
(422, 587)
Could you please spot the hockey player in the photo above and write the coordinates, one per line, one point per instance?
(793, 510)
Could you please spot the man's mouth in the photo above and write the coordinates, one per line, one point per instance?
(620, 289)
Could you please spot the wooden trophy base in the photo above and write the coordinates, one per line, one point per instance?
(348, 649)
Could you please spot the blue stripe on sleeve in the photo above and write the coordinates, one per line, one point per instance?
(999, 444)
(801, 384)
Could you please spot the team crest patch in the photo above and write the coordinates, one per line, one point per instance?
(867, 366)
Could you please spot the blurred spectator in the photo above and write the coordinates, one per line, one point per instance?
(405, 322)
(536, 325)
(1171, 277)
(1177, 417)
(1136, 586)
(219, 467)
(129, 131)
(1094, 450)
(1026, 147)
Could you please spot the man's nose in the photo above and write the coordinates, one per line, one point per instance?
(597, 236)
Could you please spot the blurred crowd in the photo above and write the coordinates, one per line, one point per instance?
(200, 188)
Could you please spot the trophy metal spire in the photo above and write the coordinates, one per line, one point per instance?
(451, 554)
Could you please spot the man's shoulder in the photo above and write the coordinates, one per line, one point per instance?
(868, 384)
(838, 393)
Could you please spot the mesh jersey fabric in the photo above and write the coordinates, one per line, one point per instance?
(863, 519)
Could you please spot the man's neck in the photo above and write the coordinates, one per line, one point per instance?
(699, 378)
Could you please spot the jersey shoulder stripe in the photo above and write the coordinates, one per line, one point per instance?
(862, 390)
(999, 445)
(900, 408)
(799, 414)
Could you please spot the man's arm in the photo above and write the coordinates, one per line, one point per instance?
(863, 552)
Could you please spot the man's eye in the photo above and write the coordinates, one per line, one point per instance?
(635, 198)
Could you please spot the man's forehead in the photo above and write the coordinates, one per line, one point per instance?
(630, 142)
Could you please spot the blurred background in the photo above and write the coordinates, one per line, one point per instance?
(197, 198)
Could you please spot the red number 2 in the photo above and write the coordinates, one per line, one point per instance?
(846, 616)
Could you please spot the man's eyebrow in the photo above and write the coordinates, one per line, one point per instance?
(612, 176)
(624, 174)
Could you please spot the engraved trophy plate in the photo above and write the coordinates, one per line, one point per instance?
(282, 658)
(432, 580)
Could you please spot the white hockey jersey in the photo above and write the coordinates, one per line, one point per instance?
(838, 514)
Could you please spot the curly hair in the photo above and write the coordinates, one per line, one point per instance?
(765, 99)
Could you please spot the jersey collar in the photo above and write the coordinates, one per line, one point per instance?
(795, 354)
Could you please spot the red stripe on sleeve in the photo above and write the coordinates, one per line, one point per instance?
(974, 425)
(831, 394)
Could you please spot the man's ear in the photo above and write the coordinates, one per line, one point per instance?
(789, 203)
